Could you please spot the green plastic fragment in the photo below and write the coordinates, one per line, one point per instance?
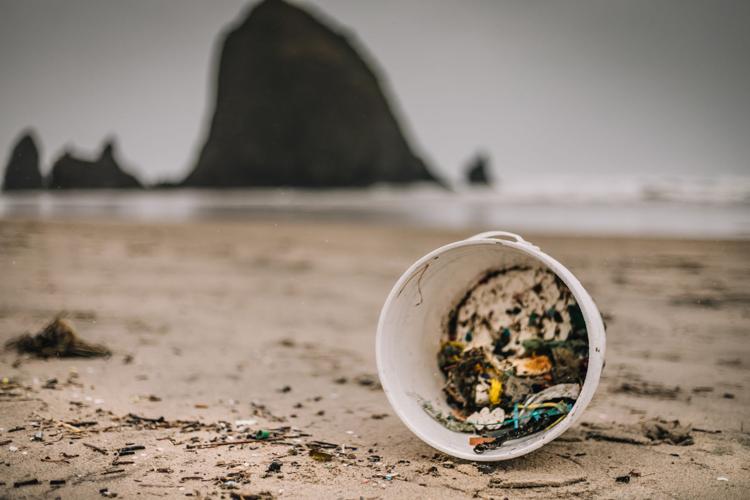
(262, 434)
(533, 319)
(533, 344)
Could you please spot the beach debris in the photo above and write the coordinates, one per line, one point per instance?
(319, 455)
(57, 339)
(112, 471)
(95, 448)
(707, 431)
(666, 431)
(625, 478)
(650, 432)
(10, 388)
(129, 450)
(274, 466)
(261, 495)
(26, 482)
(552, 483)
(285, 436)
(368, 380)
(105, 492)
(649, 389)
(617, 437)
(514, 355)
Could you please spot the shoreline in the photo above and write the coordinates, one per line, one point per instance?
(294, 218)
(417, 208)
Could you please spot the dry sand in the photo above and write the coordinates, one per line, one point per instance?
(209, 321)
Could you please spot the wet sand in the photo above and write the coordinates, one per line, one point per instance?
(211, 323)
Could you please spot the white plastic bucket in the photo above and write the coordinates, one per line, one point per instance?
(410, 330)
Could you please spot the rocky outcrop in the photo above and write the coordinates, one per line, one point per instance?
(296, 105)
(477, 171)
(70, 172)
(22, 171)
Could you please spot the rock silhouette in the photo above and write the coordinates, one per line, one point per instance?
(22, 171)
(296, 105)
(70, 172)
(477, 170)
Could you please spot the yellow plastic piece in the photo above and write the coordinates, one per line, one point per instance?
(496, 389)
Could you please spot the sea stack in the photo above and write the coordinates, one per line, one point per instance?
(22, 171)
(477, 171)
(296, 105)
(105, 172)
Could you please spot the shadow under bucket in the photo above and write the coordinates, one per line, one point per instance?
(413, 321)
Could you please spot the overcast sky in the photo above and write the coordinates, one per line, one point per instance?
(637, 86)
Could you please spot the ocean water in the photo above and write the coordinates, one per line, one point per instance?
(667, 207)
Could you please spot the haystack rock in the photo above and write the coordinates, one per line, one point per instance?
(477, 171)
(22, 171)
(70, 172)
(296, 105)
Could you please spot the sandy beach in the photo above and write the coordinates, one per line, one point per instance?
(223, 329)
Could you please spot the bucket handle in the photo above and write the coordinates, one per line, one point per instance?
(501, 235)
(498, 235)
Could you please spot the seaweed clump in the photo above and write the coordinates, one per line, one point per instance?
(57, 339)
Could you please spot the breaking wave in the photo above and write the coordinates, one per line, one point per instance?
(663, 207)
